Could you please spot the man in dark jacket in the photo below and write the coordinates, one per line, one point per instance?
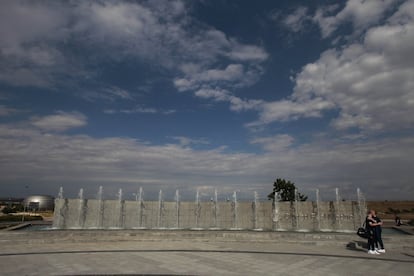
(378, 233)
(370, 225)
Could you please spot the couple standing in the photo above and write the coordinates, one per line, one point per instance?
(373, 225)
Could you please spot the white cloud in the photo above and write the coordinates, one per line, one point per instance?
(171, 44)
(152, 32)
(232, 77)
(184, 84)
(186, 141)
(156, 32)
(109, 93)
(236, 103)
(39, 21)
(370, 83)
(286, 110)
(124, 26)
(60, 121)
(361, 13)
(250, 53)
(160, 33)
(296, 20)
(141, 109)
(197, 78)
(118, 93)
(25, 57)
(216, 94)
(277, 143)
(216, 83)
(232, 72)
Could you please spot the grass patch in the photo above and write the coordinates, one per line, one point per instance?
(13, 218)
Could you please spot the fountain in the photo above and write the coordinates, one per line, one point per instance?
(215, 208)
(296, 210)
(81, 211)
(197, 209)
(160, 207)
(234, 206)
(140, 194)
(177, 208)
(338, 209)
(276, 218)
(60, 210)
(255, 207)
(141, 206)
(121, 206)
(119, 194)
(361, 206)
(279, 216)
(100, 209)
(318, 210)
(60, 194)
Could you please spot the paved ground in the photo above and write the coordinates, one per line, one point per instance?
(190, 257)
(409, 229)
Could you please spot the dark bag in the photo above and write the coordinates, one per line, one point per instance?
(363, 233)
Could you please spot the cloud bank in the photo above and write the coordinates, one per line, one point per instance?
(31, 155)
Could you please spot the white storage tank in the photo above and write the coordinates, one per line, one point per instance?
(39, 203)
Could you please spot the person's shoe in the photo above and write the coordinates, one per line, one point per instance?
(373, 252)
(381, 250)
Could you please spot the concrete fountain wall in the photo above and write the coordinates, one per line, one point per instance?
(80, 213)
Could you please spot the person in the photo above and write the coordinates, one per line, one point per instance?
(397, 220)
(370, 224)
(379, 245)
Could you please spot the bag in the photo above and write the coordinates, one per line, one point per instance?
(363, 233)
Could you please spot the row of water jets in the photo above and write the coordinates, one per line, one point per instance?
(139, 198)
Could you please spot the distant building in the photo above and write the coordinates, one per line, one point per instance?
(39, 203)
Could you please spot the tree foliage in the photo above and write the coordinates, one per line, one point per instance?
(285, 190)
(12, 209)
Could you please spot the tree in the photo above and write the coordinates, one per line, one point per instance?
(8, 210)
(285, 190)
(12, 209)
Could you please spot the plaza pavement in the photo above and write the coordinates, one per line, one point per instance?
(110, 253)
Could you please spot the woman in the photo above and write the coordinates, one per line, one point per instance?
(370, 225)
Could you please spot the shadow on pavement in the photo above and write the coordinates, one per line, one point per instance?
(357, 246)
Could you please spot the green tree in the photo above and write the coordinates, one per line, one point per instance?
(8, 210)
(285, 190)
(12, 209)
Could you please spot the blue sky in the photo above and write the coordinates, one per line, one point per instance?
(206, 95)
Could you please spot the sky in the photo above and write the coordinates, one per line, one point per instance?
(220, 94)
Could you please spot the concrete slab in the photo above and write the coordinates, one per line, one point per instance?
(119, 252)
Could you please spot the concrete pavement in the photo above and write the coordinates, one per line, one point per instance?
(186, 255)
